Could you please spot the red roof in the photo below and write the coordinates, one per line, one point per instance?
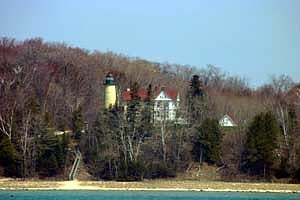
(172, 93)
(142, 93)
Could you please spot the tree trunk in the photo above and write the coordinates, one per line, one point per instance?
(284, 121)
(123, 141)
(201, 156)
(163, 141)
(24, 144)
(130, 148)
(6, 125)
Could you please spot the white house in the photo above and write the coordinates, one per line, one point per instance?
(227, 121)
(166, 103)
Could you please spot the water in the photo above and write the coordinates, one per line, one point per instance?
(129, 195)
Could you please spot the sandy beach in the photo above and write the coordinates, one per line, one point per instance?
(150, 185)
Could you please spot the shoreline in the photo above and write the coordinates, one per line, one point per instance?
(152, 185)
(154, 190)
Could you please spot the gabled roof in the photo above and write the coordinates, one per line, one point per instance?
(171, 93)
(227, 116)
(142, 93)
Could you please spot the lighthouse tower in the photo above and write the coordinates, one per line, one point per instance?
(110, 93)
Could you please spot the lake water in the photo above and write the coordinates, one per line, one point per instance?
(138, 195)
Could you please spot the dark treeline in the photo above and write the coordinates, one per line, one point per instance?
(47, 89)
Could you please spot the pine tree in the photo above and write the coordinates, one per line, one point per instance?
(7, 156)
(101, 145)
(207, 143)
(65, 145)
(196, 87)
(261, 144)
(133, 108)
(77, 123)
(147, 114)
(47, 146)
(195, 101)
(52, 165)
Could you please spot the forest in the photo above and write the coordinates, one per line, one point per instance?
(52, 102)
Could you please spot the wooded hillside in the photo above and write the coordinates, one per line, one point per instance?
(51, 87)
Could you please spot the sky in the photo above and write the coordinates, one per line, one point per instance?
(250, 38)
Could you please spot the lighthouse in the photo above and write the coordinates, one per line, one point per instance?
(110, 94)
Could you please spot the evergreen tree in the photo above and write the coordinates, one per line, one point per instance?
(292, 115)
(147, 114)
(196, 87)
(261, 144)
(7, 156)
(48, 148)
(77, 123)
(52, 165)
(65, 141)
(207, 143)
(133, 108)
(296, 177)
(137, 126)
(101, 145)
(195, 101)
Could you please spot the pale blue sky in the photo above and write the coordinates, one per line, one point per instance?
(251, 38)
